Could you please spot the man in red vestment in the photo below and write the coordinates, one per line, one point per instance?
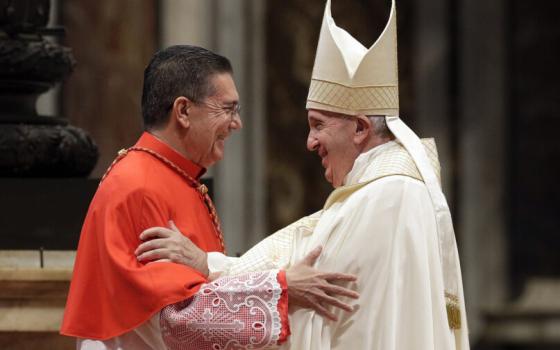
(189, 106)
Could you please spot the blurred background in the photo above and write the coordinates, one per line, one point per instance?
(479, 76)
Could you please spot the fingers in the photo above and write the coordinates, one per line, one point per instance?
(172, 226)
(158, 261)
(337, 276)
(312, 256)
(152, 255)
(326, 299)
(155, 232)
(323, 311)
(338, 290)
(150, 245)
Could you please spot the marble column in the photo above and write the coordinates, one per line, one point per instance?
(482, 156)
(434, 115)
(235, 29)
(240, 186)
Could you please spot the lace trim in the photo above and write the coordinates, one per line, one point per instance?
(238, 312)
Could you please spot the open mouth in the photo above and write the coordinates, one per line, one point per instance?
(323, 154)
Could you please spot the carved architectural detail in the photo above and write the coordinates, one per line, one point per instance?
(45, 151)
(32, 145)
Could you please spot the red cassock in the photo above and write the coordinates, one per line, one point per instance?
(111, 292)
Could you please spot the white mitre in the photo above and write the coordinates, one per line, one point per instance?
(351, 79)
(348, 78)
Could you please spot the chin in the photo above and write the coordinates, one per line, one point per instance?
(328, 177)
(217, 158)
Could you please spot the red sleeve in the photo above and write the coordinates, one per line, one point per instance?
(244, 311)
(283, 308)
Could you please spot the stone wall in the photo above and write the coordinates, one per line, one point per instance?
(112, 41)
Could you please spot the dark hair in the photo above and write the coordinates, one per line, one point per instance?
(180, 70)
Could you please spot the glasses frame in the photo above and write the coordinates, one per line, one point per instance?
(232, 111)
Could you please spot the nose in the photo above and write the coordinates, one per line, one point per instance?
(312, 142)
(236, 122)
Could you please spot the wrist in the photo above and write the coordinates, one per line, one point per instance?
(288, 275)
(203, 263)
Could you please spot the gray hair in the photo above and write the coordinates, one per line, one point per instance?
(380, 126)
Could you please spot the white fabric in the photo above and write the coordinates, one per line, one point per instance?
(380, 235)
(386, 233)
(342, 59)
(236, 312)
(217, 263)
(349, 78)
(273, 252)
(145, 337)
(446, 235)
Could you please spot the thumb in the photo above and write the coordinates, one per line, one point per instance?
(172, 226)
(311, 258)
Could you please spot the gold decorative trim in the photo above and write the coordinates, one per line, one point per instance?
(394, 161)
(353, 98)
(453, 311)
(352, 86)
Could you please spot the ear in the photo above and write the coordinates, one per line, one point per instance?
(363, 129)
(180, 111)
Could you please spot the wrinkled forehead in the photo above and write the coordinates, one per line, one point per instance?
(321, 114)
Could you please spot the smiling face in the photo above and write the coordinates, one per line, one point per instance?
(332, 136)
(212, 121)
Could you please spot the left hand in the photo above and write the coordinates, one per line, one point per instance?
(169, 244)
(314, 289)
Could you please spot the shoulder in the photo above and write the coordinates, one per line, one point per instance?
(394, 159)
(134, 178)
(393, 191)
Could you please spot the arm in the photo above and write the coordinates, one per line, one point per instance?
(273, 252)
(248, 310)
(308, 287)
(160, 244)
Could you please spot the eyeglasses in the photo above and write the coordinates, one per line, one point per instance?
(231, 111)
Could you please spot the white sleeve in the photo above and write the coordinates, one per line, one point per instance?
(147, 336)
(248, 311)
(273, 252)
(218, 263)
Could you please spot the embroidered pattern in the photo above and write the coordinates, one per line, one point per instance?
(275, 251)
(353, 98)
(239, 312)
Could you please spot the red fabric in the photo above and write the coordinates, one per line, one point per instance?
(111, 292)
(283, 308)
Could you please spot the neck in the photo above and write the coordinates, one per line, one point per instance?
(170, 138)
(375, 141)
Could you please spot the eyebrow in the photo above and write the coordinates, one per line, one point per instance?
(230, 103)
(315, 119)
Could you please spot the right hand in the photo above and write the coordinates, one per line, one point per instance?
(169, 244)
(313, 289)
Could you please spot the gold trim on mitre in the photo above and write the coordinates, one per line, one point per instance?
(351, 79)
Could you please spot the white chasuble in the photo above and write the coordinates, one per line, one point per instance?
(381, 227)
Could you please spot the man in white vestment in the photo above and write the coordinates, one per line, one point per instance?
(387, 221)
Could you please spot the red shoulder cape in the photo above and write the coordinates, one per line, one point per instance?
(112, 293)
